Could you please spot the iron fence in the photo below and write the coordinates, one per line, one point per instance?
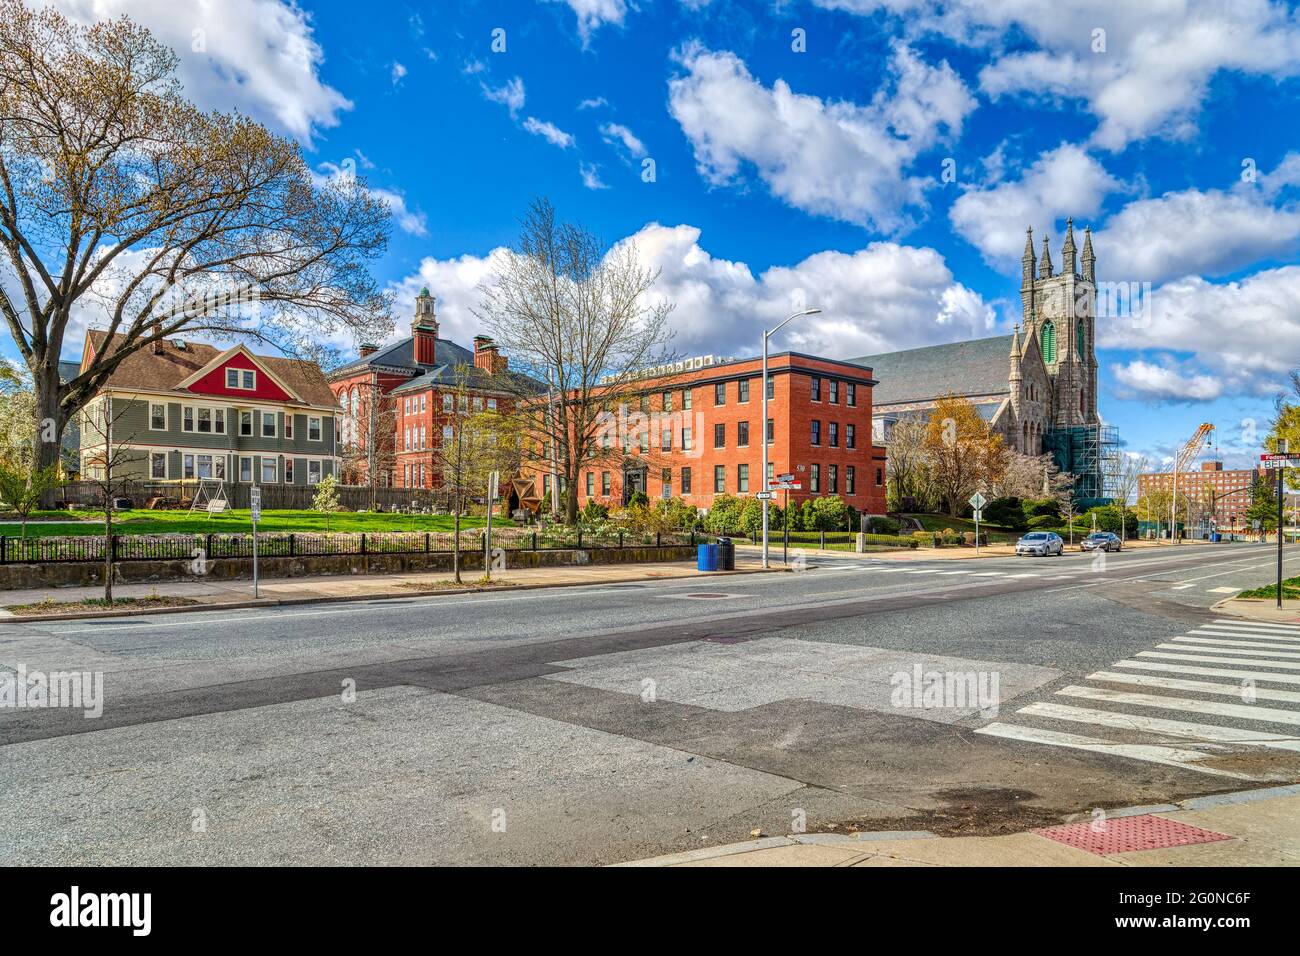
(175, 547)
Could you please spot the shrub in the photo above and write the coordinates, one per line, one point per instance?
(1009, 512)
(751, 517)
(1044, 522)
(593, 512)
(1042, 507)
(879, 524)
(639, 498)
(829, 513)
(925, 539)
(724, 515)
(891, 540)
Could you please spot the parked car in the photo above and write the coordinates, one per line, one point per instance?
(1041, 543)
(1102, 540)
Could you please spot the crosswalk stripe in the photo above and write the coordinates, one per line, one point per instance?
(989, 574)
(1224, 642)
(1160, 725)
(1182, 587)
(1222, 590)
(1208, 671)
(1204, 687)
(1259, 625)
(1024, 575)
(1248, 650)
(1287, 665)
(1219, 630)
(921, 571)
(1169, 756)
(1269, 715)
(954, 572)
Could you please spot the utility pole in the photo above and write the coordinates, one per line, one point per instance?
(1283, 447)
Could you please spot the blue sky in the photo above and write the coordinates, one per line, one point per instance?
(799, 149)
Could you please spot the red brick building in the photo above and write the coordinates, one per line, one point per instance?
(398, 399)
(1229, 490)
(695, 433)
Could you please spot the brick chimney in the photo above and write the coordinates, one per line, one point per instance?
(487, 357)
(424, 329)
(367, 348)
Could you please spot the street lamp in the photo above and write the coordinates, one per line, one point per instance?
(764, 484)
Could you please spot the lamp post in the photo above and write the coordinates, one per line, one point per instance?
(763, 483)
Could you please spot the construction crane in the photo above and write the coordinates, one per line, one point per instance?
(1182, 461)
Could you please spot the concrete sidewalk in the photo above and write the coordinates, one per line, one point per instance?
(1251, 828)
(272, 591)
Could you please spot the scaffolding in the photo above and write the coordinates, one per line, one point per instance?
(1091, 454)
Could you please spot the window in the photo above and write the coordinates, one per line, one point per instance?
(406, 438)
(771, 430)
(816, 390)
(742, 434)
(478, 403)
(187, 466)
(268, 424)
(1049, 342)
(833, 387)
(219, 467)
(1080, 338)
(246, 425)
(270, 473)
(771, 473)
(492, 404)
(686, 481)
(313, 428)
(720, 436)
(742, 390)
(666, 440)
(591, 483)
(604, 483)
(816, 432)
(205, 420)
(187, 419)
(204, 466)
(668, 401)
(880, 476)
(850, 481)
(245, 469)
(667, 477)
(546, 485)
(447, 401)
(446, 434)
(719, 479)
(313, 472)
(834, 435)
(158, 416)
(424, 404)
(232, 378)
(687, 439)
(720, 393)
(850, 394)
(686, 398)
(850, 436)
(288, 424)
(815, 479)
(833, 479)
(462, 404)
(158, 464)
(771, 388)
(742, 477)
(247, 379)
(423, 436)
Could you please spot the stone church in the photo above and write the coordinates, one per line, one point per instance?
(1037, 387)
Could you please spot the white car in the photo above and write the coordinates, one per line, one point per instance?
(1040, 543)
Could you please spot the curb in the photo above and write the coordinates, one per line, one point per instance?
(9, 618)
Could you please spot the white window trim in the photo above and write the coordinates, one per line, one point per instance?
(167, 465)
(288, 467)
(320, 428)
(261, 425)
(320, 470)
(288, 425)
(240, 466)
(166, 416)
(274, 462)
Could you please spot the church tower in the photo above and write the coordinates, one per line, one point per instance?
(1059, 315)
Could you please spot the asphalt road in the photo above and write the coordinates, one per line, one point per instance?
(594, 725)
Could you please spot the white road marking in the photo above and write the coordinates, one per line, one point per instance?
(1288, 665)
(1024, 575)
(1160, 725)
(953, 572)
(1219, 630)
(1269, 715)
(1241, 648)
(1258, 625)
(1204, 687)
(1209, 671)
(1248, 642)
(1222, 590)
(1169, 756)
(1182, 587)
(990, 574)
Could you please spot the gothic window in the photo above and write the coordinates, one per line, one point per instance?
(1081, 337)
(1049, 342)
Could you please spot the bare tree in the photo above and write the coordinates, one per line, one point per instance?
(369, 438)
(906, 462)
(120, 199)
(106, 459)
(580, 319)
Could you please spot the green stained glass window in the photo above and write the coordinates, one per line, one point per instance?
(1081, 337)
(1049, 342)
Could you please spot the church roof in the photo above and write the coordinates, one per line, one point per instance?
(401, 355)
(974, 367)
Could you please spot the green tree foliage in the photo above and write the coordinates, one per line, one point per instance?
(326, 499)
(1008, 512)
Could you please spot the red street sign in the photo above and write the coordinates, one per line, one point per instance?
(1279, 461)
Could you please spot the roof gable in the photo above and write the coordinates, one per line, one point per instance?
(974, 367)
(211, 379)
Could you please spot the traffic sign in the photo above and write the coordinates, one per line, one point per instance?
(785, 477)
(977, 501)
(979, 514)
(785, 485)
(255, 502)
(1279, 461)
(765, 495)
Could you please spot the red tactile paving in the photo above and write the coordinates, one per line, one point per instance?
(1128, 834)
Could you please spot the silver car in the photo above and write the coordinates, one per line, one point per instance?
(1040, 543)
(1102, 541)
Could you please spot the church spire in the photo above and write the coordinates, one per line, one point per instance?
(1045, 263)
(1067, 250)
(1015, 354)
(1089, 260)
(1027, 261)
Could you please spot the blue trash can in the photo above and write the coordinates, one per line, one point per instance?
(706, 558)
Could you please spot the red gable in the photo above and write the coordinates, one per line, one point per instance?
(214, 382)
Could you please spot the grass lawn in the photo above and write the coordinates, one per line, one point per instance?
(182, 522)
(1290, 589)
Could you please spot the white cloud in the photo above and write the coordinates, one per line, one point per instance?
(592, 14)
(1062, 182)
(511, 95)
(881, 297)
(593, 103)
(1155, 69)
(1139, 379)
(1245, 333)
(591, 176)
(398, 73)
(836, 159)
(411, 221)
(615, 133)
(548, 131)
(258, 56)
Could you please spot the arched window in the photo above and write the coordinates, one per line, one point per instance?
(1049, 342)
(1081, 338)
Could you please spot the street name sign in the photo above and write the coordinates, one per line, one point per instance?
(1279, 461)
(765, 495)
